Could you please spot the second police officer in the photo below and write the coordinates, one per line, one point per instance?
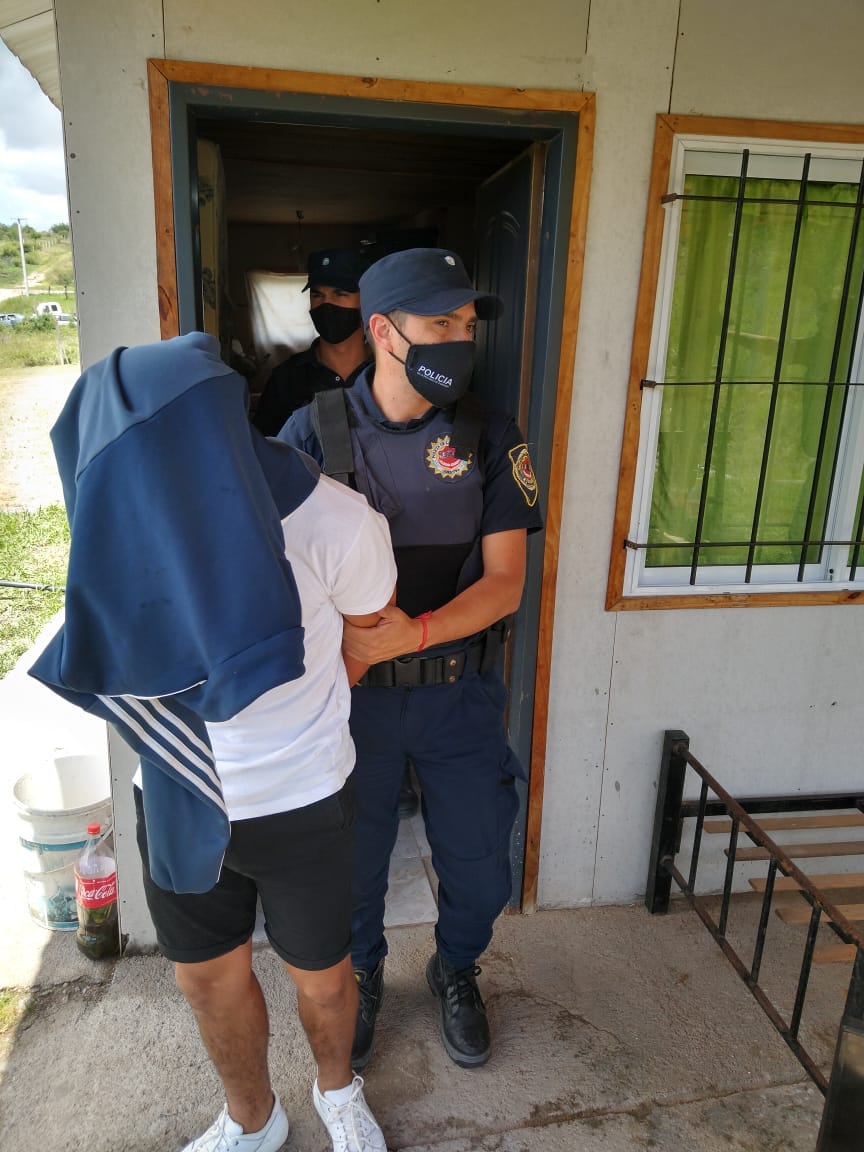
(339, 352)
(456, 484)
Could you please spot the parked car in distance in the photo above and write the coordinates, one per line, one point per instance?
(11, 318)
(53, 309)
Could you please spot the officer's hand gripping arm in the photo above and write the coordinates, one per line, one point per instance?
(496, 594)
(356, 667)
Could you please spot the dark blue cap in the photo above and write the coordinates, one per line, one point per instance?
(422, 282)
(335, 268)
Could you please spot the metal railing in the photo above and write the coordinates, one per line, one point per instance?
(842, 1127)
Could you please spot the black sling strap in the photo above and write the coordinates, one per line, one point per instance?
(330, 420)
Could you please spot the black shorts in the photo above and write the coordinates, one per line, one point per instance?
(298, 862)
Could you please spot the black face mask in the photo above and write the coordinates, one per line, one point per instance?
(441, 373)
(335, 324)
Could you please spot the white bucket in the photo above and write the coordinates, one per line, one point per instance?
(55, 804)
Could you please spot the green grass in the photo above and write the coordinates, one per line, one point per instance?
(26, 305)
(33, 344)
(34, 548)
(13, 1006)
(48, 257)
(56, 269)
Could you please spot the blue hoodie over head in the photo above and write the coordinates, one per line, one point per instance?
(181, 606)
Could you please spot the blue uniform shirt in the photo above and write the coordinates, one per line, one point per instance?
(438, 506)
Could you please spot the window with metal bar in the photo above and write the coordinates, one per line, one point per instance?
(750, 469)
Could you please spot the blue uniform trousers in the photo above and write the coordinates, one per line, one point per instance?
(455, 737)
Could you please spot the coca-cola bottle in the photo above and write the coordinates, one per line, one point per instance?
(98, 934)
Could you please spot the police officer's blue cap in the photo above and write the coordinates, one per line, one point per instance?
(335, 268)
(422, 282)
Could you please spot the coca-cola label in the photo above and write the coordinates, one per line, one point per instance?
(95, 891)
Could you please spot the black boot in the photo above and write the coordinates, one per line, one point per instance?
(464, 1027)
(370, 985)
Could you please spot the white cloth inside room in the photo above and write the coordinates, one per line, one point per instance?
(279, 315)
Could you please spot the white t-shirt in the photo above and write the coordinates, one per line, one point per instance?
(291, 746)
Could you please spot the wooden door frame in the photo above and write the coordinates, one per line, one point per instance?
(163, 73)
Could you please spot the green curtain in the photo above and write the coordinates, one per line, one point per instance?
(751, 350)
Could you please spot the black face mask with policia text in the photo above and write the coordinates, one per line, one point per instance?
(335, 324)
(441, 373)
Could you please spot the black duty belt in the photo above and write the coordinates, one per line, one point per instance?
(423, 671)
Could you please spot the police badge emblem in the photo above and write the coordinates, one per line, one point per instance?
(523, 473)
(443, 461)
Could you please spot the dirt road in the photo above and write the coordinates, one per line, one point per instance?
(34, 282)
(30, 399)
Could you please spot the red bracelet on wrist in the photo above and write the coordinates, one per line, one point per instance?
(423, 618)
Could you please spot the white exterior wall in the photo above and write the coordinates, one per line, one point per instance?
(759, 690)
(103, 51)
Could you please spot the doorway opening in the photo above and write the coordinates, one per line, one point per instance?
(278, 191)
(297, 162)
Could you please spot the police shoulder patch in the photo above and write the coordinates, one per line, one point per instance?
(523, 473)
(443, 461)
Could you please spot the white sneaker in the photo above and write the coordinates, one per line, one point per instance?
(352, 1126)
(225, 1135)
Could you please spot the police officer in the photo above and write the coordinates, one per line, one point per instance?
(456, 485)
(336, 357)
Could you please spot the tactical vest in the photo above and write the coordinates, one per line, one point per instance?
(434, 469)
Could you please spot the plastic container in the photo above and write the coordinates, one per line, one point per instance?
(54, 805)
(98, 935)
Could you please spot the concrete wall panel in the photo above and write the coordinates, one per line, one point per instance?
(104, 48)
(775, 59)
(628, 98)
(453, 42)
(768, 698)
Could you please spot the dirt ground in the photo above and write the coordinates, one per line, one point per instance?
(30, 400)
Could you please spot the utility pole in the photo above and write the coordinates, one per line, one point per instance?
(23, 261)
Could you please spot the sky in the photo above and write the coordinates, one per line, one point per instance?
(32, 172)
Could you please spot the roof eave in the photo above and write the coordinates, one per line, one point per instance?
(29, 30)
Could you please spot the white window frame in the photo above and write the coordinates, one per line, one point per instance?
(832, 573)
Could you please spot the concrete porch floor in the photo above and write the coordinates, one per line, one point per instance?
(613, 1031)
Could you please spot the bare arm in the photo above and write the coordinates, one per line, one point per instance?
(497, 593)
(353, 666)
